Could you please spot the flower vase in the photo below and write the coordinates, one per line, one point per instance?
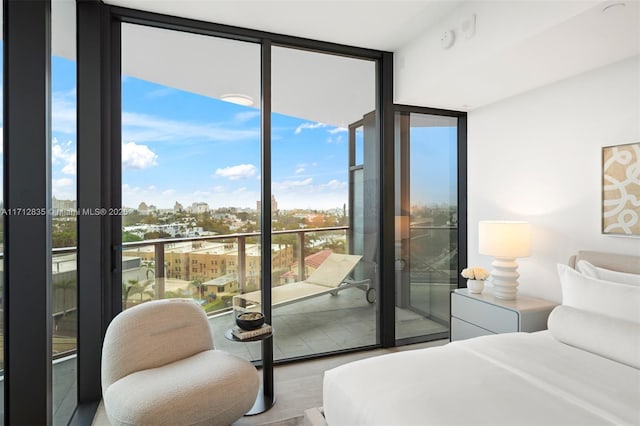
(475, 286)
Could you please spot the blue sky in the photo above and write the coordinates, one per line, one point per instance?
(180, 146)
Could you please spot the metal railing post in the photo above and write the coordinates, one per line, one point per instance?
(301, 276)
(242, 263)
(159, 272)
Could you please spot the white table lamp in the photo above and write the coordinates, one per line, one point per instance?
(505, 241)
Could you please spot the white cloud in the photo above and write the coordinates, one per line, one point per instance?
(61, 183)
(335, 139)
(241, 171)
(63, 188)
(338, 130)
(303, 126)
(245, 116)
(136, 156)
(334, 185)
(306, 194)
(63, 112)
(288, 185)
(304, 167)
(64, 154)
(149, 128)
(160, 93)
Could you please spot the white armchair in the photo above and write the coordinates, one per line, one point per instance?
(159, 367)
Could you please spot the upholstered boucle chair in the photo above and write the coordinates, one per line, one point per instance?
(159, 367)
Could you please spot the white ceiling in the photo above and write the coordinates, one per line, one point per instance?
(517, 45)
(376, 24)
(326, 88)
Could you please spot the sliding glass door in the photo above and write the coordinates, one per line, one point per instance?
(426, 221)
(192, 168)
(317, 215)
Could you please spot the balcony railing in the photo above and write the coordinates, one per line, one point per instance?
(64, 280)
(159, 246)
(64, 269)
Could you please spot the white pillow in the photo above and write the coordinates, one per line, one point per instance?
(593, 271)
(616, 300)
(602, 335)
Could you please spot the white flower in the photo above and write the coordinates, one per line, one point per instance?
(475, 273)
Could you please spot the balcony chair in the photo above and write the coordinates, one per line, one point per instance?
(330, 277)
(159, 367)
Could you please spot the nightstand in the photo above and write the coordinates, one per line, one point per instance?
(475, 315)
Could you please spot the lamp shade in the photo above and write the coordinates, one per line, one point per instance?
(509, 239)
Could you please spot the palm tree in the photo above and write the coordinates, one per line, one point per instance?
(198, 284)
(135, 287)
(126, 289)
(150, 271)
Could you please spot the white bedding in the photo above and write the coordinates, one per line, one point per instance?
(508, 379)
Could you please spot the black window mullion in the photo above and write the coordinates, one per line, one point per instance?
(27, 222)
(462, 195)
(386, 260)
(97, 256)
(265, 218)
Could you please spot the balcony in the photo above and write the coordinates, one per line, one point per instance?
(314, 326)
(223, 265)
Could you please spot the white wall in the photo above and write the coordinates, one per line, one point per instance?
(537, 157)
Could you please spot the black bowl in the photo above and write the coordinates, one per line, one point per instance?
(250, 320)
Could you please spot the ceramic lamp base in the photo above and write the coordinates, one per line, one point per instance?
(504, 277)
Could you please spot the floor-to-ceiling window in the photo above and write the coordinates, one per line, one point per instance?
(426, 221)
(191, 170)
(315, 98)
(63, 211)
(191, 184)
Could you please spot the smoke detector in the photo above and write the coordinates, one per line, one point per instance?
(447, 39)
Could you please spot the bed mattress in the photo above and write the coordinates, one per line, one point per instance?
(507, 379)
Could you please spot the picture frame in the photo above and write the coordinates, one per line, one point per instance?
(621, 189)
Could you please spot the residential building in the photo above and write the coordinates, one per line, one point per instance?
(199, 208)
(205, 260)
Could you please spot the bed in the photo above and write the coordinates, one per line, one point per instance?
(584, 370)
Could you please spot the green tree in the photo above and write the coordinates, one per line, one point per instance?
(150, 266)
(64, 239)
(135, 287)
(155, 235)
(132, 218)
(128, 237)
(198, 284)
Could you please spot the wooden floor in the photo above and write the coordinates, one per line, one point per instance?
(298, 386)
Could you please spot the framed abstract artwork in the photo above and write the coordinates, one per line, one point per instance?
(621, 189)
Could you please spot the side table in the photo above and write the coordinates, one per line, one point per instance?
(481, 314)
(266, 397)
